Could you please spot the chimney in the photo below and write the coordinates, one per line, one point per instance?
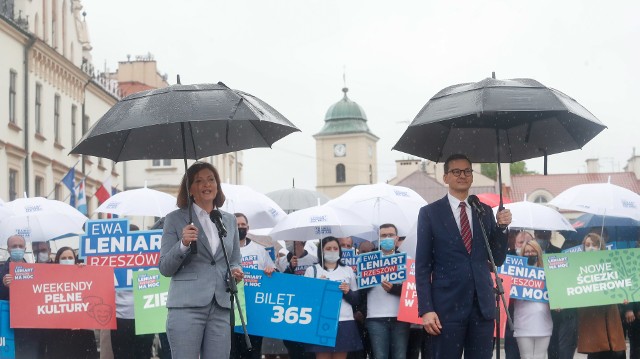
(592, 165)
(406, 167)
(633, 164)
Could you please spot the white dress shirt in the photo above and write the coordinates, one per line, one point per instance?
(455, 208)
(210, 230)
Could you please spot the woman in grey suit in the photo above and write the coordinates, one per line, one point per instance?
(198, 303)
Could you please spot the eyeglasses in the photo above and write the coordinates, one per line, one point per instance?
(457, 172)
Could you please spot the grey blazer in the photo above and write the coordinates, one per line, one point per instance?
(196, 279)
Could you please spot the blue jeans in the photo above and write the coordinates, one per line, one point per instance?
(389, 337)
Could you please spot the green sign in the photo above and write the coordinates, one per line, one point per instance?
(585, 279)
(150, 289)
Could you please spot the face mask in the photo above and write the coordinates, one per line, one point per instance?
(67, 261)
(518, 251)
(17, 254)
(532, 260)
(387, 244)
(43, 257)
(590, 249)
(242, 232)
(331, 257)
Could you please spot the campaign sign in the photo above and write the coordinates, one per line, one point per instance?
(587, 279)
(349, 258)
(374, 268)
(109, 243)
(408, 309)
(292, 307)
(62, 296)
(506, 286)
(527, 282)
(7, 343)
(150, 290)
(580, 248)
(272, 253)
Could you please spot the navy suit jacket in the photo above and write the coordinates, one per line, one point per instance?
(447, 276)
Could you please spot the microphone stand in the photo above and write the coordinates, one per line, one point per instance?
(232, 288)
(498, 282)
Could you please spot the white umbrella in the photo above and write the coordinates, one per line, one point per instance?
(319, 222)
(40, 219)
(529, 215)
(261, 211)
(139, 202)
(603, 199)
(383, 203)
(4, 210)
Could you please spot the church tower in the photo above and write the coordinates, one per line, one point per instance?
(345, 149)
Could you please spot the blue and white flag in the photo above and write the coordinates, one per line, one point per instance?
(81, 203)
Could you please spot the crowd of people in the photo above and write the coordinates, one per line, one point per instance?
(456, 299)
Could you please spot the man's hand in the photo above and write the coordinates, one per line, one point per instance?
(629, 317)
(431, 323)
(504, 218)
(386, 286)
(293, 262)
(6, 280)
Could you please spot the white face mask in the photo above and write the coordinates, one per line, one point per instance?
(67, 261)
(43, 257)
(590, 248)
(331, 257)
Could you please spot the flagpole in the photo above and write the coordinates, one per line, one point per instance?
(83, 178)
(54, 187)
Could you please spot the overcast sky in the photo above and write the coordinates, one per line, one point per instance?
(397, 55)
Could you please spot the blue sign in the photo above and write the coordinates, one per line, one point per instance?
(528, 283)
(272, 253)
(291, 307)
(109, 243)
(374, 268)
(349, 259)
(7, 343)
(609, 246)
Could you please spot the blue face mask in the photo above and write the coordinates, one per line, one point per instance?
(17, 254)
(387, 244)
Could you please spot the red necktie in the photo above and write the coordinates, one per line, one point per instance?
(465, 228)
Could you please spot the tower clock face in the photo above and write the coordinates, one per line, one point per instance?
(340, 150)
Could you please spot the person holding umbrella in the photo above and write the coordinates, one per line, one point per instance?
(456, 299)
(198, 322)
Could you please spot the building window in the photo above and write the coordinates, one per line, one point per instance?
(57, 192)
(39, 186)
(74, 112)
(85, 124)
(38, 109)
(13, 184)
(56, 119)
(540, 199)
(161, 163)
(340, 173)
(13, 78)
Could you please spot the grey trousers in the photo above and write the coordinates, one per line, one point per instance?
(201, 332)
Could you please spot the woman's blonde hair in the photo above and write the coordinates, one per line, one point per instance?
(536, 247)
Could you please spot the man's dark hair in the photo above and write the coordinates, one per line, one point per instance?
(243, 216)
(542, 234)
(389, 225)
(454, 157)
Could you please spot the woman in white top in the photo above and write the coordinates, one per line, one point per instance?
(532, 320)
(348, 338)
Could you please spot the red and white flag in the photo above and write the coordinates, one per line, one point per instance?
(104, 192)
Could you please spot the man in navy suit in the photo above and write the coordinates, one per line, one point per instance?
(456, 299)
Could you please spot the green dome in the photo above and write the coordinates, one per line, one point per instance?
(345, 109)
(345, 116)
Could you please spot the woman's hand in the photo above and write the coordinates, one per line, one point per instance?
(344, 287)
(189, 234)
(268, 271)
(237, 274)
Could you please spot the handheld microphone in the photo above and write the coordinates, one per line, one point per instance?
(216, 218)
(474, 201)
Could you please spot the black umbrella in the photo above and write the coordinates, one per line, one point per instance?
(212, 118)
(499, 121)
